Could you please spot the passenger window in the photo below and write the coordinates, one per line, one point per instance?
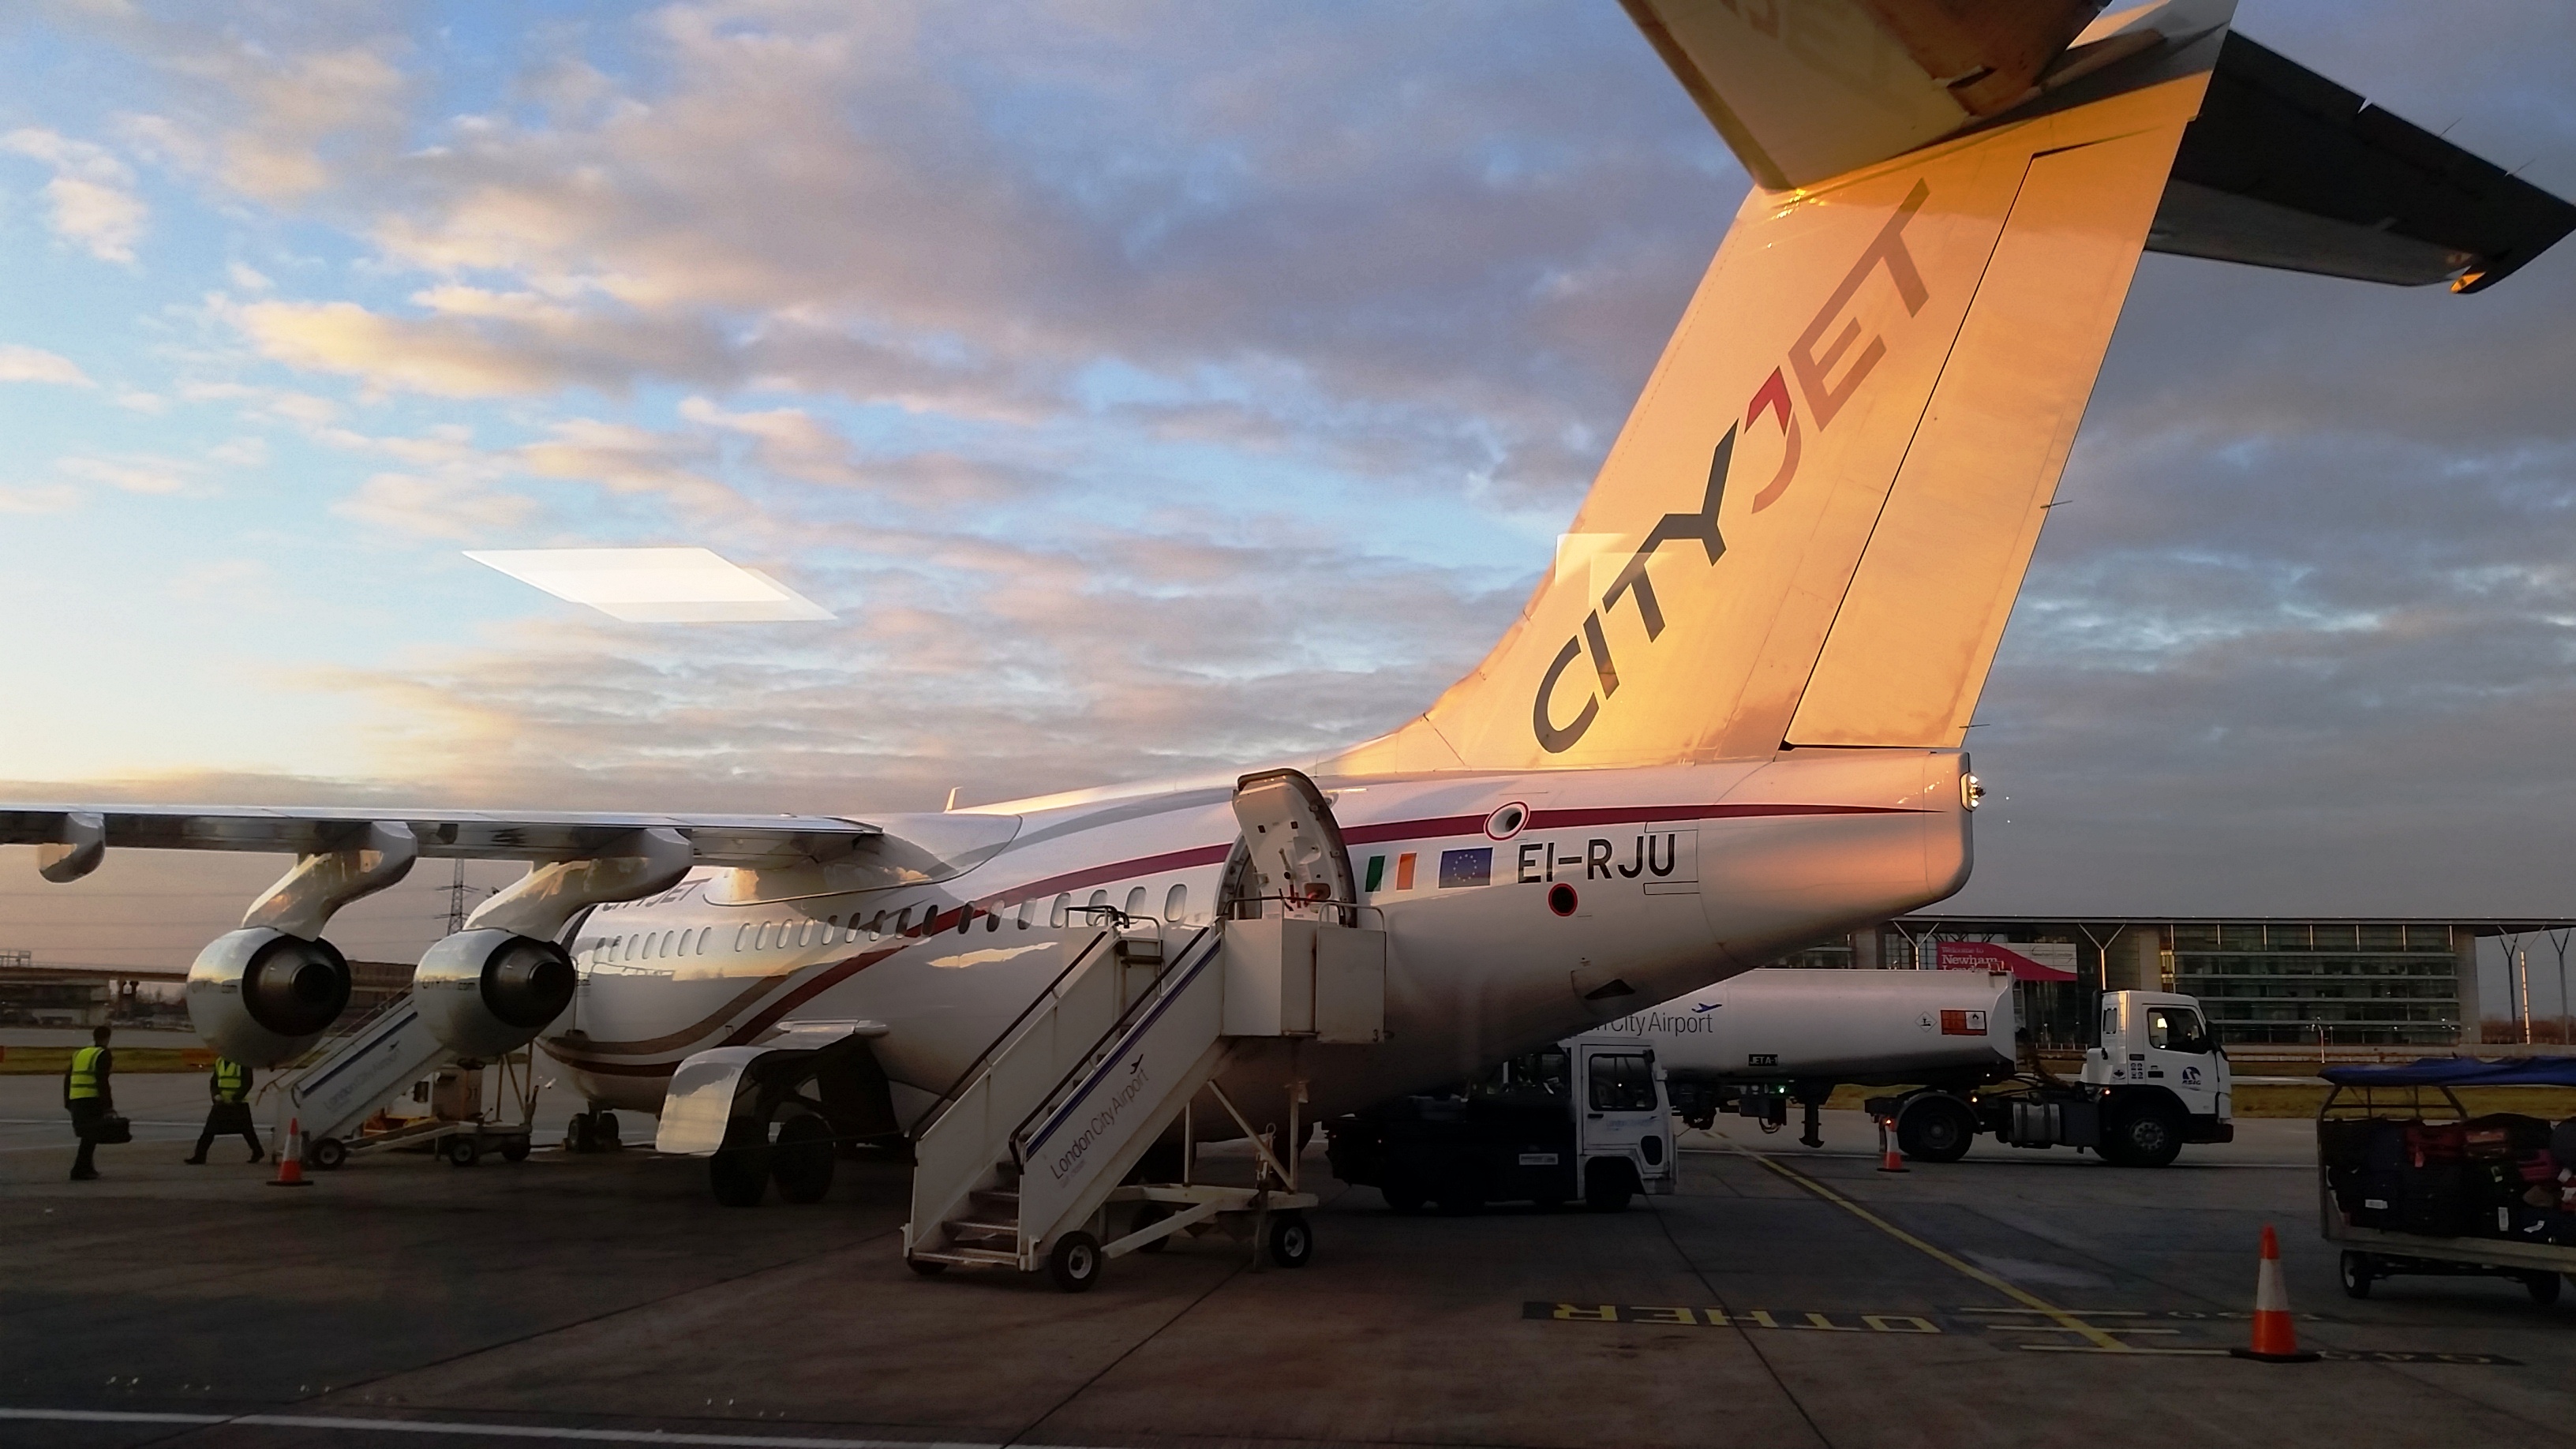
(1027, 909)
(738, 933)
(876, 926)
(1062, 908)
(1622, 1082)
(1099, 902)
(768, 936)
(703, 937)
(1136, 901)
(993, 917)
(1176, 903)
(903, 922)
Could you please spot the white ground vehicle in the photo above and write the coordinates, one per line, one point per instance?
(1764, 1039)
(1753, 1042)
(2156, 1082)
(1586, 1117)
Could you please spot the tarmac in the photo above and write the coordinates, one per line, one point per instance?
(1785, 1297)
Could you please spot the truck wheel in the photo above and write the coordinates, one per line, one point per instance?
(1609, 1187)
(1935, 1128)
(462, 1151)
(1460, 1192)
(514, 1149)
(2543, 1288)
(2357, 1276)
(1403, 1195)
(2147, 1135)
(329, 1152)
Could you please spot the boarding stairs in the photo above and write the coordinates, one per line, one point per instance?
(1031, 1150)
(1020, 1169)
(328, 1096)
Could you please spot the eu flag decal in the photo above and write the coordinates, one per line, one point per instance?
(1467, 867)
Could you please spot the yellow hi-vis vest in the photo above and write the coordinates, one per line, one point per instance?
(85, 1072)
(232, 1080)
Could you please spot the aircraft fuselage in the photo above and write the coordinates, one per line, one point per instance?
(1606, 890)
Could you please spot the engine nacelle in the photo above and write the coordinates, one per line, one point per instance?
(260, 996)
(487, 993)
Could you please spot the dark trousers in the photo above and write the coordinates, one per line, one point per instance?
(85, 1114)
(227, 1117)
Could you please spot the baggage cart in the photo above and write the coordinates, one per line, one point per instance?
(2426, 1092)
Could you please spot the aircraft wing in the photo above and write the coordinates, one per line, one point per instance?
(760, 841)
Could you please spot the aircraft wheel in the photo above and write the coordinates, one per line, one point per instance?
(2356, 1273)
(1075, 1264)
(739, 1171)
(801, 1161)
(1146, 1216)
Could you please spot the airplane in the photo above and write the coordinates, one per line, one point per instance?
(1728, 723)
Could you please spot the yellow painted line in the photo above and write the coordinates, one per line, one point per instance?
(2101, 1341)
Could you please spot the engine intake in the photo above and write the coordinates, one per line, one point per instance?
(485, 993)
(261, 996)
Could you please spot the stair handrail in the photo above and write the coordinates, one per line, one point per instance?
(939, 1106)
(1170, 978)
(322, 1050)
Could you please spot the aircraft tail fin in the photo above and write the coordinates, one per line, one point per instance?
(1811, 530)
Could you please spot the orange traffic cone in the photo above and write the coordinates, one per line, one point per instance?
(290, 1162)
(1888, 1158)
(2276, 1338)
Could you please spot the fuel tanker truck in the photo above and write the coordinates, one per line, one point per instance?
(1757, 1042)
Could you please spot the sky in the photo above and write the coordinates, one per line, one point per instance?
(1148, 389)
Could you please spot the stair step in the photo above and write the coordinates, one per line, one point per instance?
(977, 1225)
(997, 1194)
(969, 1257)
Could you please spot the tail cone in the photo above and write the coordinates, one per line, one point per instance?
(2276, 1338)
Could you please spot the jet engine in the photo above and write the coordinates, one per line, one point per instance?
(485, 993)
(260, 996)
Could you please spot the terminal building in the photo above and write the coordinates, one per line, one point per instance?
(2351, 981)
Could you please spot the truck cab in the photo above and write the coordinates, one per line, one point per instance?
(2155, 1039)
(1588, 1117)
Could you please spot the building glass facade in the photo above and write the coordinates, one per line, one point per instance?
(2365, 982)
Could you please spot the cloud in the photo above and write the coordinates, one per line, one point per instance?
(147, 475)
(436, 508)
(626, 459)
(34, 364)
(91, 194)
(39, 498)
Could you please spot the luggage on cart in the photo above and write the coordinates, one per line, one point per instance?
(2411, 1184)
(2503, 1136)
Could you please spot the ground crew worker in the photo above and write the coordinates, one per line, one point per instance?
(90, 1098)
(229, 1086)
